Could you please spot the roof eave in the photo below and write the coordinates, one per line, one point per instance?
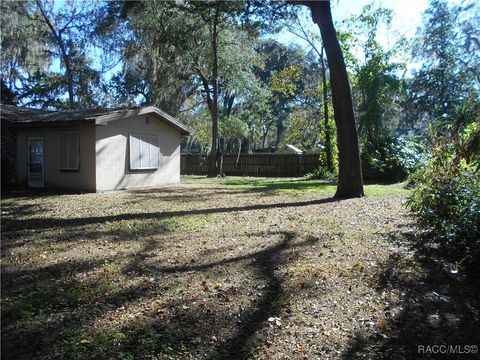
(33, 123)
(170, 120)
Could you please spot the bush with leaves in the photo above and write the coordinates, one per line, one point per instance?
(447, 197)
(392, 159)
(321, 173)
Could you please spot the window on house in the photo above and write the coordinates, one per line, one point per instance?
(68, 156)
(144, 152)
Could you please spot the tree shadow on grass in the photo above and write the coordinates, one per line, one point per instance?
(30, 193)
(239, 345)
(242, 337)
(12, 224)
(47, 305)
(262, 185)
(439, 306)
(49, 309)
(41, 307)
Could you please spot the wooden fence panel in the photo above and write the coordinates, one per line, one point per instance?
(272, 165)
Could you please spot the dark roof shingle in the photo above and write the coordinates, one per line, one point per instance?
(23, 116)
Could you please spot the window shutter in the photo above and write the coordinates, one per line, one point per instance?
(154, 152)
(68, 156)
(73, 150)
(135, 153)
(62, 151)
(144, 152)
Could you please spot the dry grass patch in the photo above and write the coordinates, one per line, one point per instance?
(213, 269)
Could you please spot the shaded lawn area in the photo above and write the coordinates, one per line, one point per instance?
(303, 185)
(227, 269)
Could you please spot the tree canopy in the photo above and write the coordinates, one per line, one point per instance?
(225, 69)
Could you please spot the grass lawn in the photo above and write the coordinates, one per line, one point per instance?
(226, 269)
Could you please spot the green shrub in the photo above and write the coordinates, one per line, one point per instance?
(393, 159)
(447, 197)
(322, 173)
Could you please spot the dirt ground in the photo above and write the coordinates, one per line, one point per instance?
(228, 269)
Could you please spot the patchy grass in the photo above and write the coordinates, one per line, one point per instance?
(292, 186)
(387, 190)
(225, 269)
(305, 186)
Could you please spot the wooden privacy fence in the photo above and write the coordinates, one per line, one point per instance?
(281, 165)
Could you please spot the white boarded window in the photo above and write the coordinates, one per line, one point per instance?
(144, 152)
(68, 151)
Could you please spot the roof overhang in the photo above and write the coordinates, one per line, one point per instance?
(149, 110)
(25, 117)
(49, 124)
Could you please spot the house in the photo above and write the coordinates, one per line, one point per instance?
(93, 150)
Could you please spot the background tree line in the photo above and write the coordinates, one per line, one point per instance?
(218, 65)
(220, 68)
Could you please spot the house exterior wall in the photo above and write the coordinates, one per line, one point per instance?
(113, 155)
(82, 179)
(8, 153)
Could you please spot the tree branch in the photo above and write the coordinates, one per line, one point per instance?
(194, 106)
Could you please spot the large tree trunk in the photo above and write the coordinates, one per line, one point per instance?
(212, 156)
(239, 151)
(265, 133)
(213, 169)
(350, 182)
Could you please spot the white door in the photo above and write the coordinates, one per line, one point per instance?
(35, 162)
